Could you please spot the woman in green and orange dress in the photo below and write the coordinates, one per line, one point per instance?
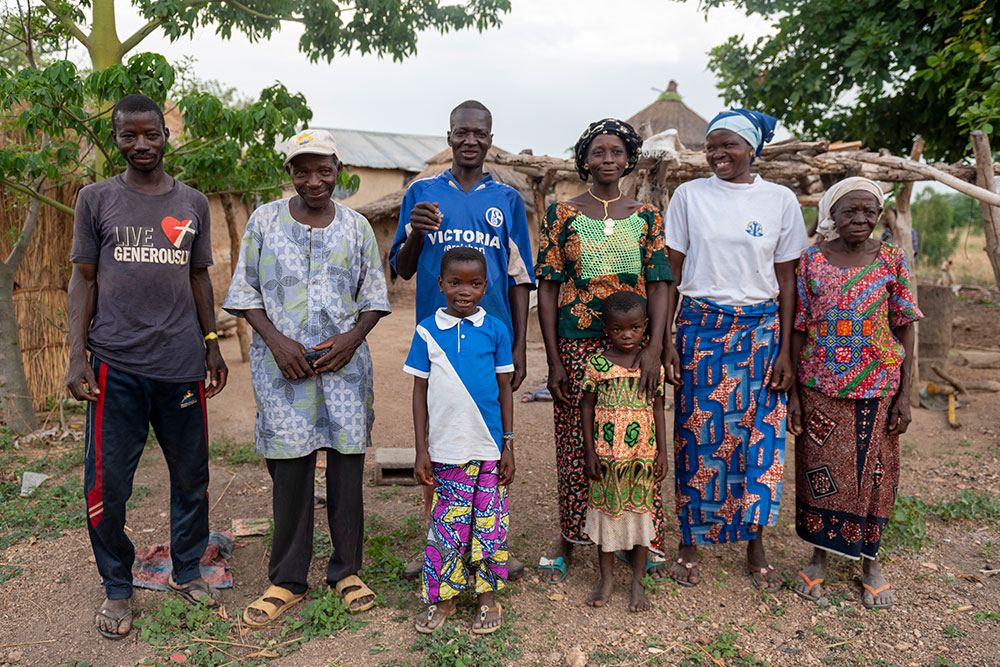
(591, 246)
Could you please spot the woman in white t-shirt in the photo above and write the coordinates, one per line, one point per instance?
(733, 241)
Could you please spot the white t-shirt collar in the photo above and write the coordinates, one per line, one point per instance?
(445, 321)
(729, 185)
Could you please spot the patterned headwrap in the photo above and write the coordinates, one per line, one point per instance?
(756, 128)
(619, 128)
(826, 228)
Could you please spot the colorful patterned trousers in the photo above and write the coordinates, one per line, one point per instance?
(467, 536)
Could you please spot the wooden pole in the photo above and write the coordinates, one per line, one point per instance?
(902, 233)
(991, 214)
(242, 334)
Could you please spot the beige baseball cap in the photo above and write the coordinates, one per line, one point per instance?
(315, 141)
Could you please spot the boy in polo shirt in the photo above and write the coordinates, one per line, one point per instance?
(464, 206)
(462, 417)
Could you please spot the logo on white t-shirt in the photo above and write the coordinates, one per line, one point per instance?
(494, 216)
(755, 229)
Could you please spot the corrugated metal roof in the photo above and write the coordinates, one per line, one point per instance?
(386, 150)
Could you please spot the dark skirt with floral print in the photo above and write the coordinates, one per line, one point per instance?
(573, 485)
(846, 473)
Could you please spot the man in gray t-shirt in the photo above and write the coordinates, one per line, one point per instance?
(140, 300)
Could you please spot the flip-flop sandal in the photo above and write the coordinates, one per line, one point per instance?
(763, 572)
(687, 565)
(810, 583)
(271, 610)
(651, 564)
(427, 628)
(874, 592)
(553, 565)
(482, 619)
(118, 618)
(185, 591)
(351, 597)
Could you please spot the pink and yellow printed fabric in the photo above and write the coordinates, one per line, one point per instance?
(848, 314)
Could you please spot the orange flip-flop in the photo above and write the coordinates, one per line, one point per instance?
(874, 592)
(810, 583)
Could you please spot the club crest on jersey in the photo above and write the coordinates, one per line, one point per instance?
(494, 216)
(755, 229)
(189, 399)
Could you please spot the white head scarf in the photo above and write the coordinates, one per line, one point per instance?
(826, 228)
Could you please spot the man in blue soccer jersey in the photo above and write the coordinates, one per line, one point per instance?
(465, 207)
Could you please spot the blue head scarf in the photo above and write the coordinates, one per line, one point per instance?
(756, 128)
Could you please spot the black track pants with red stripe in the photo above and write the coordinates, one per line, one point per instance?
(117, 429)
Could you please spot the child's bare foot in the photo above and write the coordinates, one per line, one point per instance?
(684, 569)
(600, 595)
(435, 616)
(876, 593)
(490, 616)
(639, 601)
(810, 584)
(554, 573)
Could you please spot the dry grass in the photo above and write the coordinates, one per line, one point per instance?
(969, 262)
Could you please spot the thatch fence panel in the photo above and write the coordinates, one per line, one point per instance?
(40, 289)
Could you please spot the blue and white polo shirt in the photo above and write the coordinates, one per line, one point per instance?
(460, 358)
(490, 217)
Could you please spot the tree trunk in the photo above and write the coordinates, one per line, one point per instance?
(18, 413)
(105, 47)
(991, 214)
(229, 208)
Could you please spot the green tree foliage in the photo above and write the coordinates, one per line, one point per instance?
(876, 70)
(56, 120)
(934, 220)
(330, 27)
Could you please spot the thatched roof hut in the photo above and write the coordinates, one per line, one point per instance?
(669, 112)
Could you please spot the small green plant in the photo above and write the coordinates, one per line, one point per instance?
(139, 491)
(453, 646)
(907, 529)
(987, 615)
(325, 615)
(941, 661)
(174, 623)
(234, 453)
(952, 632)
(721, 650)
(43, 515)
(969, 505)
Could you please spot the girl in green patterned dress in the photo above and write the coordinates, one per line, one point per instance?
(626, 456)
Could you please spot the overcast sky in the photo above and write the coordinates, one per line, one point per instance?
(551, 68)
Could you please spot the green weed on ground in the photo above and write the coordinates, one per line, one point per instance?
(234, 453)
(207, 639)
(43, 515)
(385, 551)
(907, 529)
(454, 646)
(720, 650)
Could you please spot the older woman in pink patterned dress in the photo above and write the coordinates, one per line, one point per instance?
(854, 343)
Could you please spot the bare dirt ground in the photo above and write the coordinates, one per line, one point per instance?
(947, 611)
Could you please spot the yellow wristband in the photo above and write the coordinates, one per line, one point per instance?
(211, 335)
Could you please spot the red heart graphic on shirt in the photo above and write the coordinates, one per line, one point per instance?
(177, 230)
